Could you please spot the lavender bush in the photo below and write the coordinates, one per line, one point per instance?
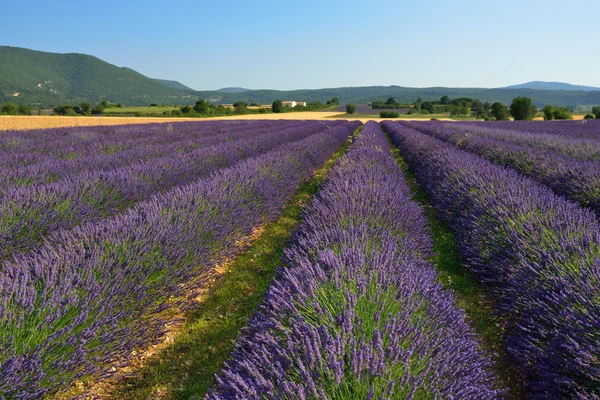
(575, 179)
(93, 294)
(537, 253)
(356, 313)
(28, 166)
(28, 214)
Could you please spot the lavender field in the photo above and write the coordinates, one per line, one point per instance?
(107, 232)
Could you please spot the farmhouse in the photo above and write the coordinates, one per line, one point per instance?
(292, 103)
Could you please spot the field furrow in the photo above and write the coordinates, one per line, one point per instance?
(29, 214)
(95, 293)
(537, 254)
(575, 179)
(356, 312)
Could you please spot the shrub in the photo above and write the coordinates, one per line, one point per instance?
(389, 114)
(589, 116)
(277, 106)
(350, 108)
(522, 109)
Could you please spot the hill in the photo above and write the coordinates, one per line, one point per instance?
(363, 95)
(47, 79)
(173, 85)
(233, 90)
(42, 79)
(540, 85)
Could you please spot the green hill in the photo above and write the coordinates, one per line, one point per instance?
(540, 85)
(42, 79)
(363, 95)
(173, 85)
(48, 79)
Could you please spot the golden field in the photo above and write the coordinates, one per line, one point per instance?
(8, 122)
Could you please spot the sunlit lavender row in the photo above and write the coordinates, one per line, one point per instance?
(28, 214)
(356, 312)
(571, 177)
(537, 254)
(38, 166)
(587, 129)
(95, 293)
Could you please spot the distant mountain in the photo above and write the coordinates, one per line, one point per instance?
(48, 79)
(365, 94)
(173, 85)
(42, 79)
(540, 85)
(233, 90)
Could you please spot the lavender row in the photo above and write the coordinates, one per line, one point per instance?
(27, 215)
(587, 129)
(85, 141)
(93, 295)
(357, 313)
(576, 180)
(35, 168)
(537, 253)
(573, 147)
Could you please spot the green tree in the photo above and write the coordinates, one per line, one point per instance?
(460, 109)
(241, 107)
(589, 116)
(202, 106)
(335, 101)
(444, 100)
(86, 108)
(389, 114)
(499, 111)
(350, 108)
(522, 109)
(596, 111)
(9, 109)
(277, 106)
(186, 109)
(562, 113)
(551, 112)
(548, 111)
(105, 104)
(391, 101)
(24, 110)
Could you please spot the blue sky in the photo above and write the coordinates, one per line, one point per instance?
(314, 44)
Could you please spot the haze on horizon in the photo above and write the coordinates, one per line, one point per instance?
(312, 44)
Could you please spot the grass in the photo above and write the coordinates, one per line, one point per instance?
(133, 110)
(470, 293)
(186, 369)
(424, 117)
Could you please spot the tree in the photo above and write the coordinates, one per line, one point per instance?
(186, 109)
(444, 100)
(499, 111)
(277, 106)
(522, 109)
(461, 109)
(350, 108)
(389, 114)
(241, 107)
(551, 112)
(105, 104)
(391, 101)
(86, 108)
(589, 116)
(9, 109)
(429, 106)
(562, 113)
(24, 110)
(596, 111)
(335, 101)
(202, 106)
(548, 111)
